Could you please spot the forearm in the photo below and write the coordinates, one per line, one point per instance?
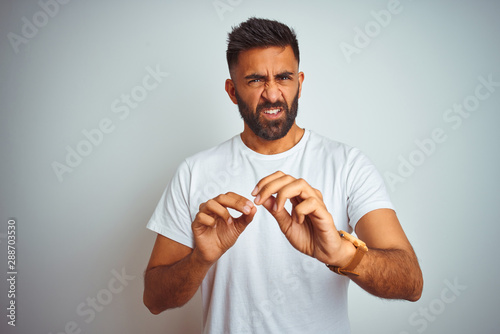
(173, 285)
(390, 273)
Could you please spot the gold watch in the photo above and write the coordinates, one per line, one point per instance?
(361, 249)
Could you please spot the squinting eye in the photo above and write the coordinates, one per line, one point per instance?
(285, 78)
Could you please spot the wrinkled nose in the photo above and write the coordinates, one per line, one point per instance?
(271, 92)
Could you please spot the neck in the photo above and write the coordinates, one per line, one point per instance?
(269, 147)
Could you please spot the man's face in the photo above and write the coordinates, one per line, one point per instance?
(266, 86)
(264, 123)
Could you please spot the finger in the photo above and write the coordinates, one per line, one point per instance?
(319, 194)
(272, 187)
(236, 202)
(266, 180)
(204, 220)
(249, 217)
(313, 207)
(242, 222)
(294, 190)
(295, 201)
(282, 217)
(215, 209)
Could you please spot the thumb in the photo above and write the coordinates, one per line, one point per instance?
(282, 216)
(242, 222)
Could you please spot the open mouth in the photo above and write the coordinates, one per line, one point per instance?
(272, 113)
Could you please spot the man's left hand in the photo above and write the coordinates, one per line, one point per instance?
(309, 227)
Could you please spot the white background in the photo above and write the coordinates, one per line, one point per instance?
(74, 232)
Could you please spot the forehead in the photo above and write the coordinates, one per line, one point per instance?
(273, 59)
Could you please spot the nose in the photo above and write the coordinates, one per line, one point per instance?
(271, 92)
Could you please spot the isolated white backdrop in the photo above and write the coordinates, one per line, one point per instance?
(66, 70)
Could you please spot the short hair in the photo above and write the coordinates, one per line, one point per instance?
(259, 33)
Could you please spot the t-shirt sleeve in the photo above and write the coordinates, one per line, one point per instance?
(365, 187)
(171, 217)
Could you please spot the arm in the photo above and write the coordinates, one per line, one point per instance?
(175, 271)
(389, 269)
(173, 275)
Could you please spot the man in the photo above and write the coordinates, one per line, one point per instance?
(282, 266)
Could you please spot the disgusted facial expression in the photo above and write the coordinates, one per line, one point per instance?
(266, 86)
(270, 121)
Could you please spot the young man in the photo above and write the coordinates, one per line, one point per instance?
(282, 266)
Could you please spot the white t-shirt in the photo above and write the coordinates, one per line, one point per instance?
(262, 284)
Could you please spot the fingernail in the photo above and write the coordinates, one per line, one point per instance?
(255, 191)
(246, 210)
(275, 207)
(257, 199)
(230, 221)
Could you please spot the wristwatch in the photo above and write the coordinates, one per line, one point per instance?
(361, 249)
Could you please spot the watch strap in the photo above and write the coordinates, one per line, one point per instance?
(361, 250)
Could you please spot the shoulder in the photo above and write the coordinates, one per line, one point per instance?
(340, 152)
(216, 152)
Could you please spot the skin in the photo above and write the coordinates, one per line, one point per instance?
(174, 273)
(260, 77)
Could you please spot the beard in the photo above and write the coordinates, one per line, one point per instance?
(269, 129)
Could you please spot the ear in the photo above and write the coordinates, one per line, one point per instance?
(301, 79)
(231, 91)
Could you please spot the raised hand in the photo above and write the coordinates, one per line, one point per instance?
(309, 227)
(215, 231)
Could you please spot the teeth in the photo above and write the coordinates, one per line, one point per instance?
(272, 112)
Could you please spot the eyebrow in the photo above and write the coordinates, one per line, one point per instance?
(255, 76)
(260, 76)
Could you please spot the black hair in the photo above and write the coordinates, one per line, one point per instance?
(258, 33)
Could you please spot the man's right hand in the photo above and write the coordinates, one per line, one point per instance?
(215, 231)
